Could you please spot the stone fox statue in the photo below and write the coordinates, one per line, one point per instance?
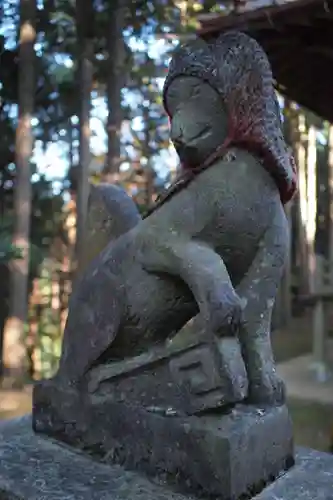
(216, 242)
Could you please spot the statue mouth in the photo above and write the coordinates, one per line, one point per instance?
(202, 135)
(189, 151)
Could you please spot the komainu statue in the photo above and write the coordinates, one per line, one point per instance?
(137, 384)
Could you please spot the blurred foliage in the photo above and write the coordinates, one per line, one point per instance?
(8, 251)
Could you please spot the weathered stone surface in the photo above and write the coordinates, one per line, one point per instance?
(310, 479)
(218, 454)
(186, 377)
(35, 468)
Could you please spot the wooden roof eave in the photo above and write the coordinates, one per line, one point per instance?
(298, 38)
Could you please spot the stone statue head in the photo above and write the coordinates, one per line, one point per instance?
(221, 94)
(198, 119)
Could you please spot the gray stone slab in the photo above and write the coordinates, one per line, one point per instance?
(310, 479)
(35, 468)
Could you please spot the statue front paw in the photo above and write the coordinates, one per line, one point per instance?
(271, 392)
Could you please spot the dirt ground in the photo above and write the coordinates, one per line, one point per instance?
(313, 422)
(14, 403)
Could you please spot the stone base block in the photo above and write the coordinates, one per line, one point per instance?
(226, 455)
(37, 468)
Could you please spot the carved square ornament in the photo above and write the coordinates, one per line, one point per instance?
(198, 370)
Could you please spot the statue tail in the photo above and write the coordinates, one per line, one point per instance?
(111, 213)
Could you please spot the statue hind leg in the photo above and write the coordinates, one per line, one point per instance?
(258, 291)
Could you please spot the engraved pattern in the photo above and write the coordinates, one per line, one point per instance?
(196, 370)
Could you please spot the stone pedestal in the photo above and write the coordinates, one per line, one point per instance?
(225, 455)
(172, 413)
(161, 414)
(37, 468)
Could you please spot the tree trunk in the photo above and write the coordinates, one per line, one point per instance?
(14, 352)
(330, 187)
(282, 313)
(84, 20)
(301, 159)
(115, 83)
(312, 205)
